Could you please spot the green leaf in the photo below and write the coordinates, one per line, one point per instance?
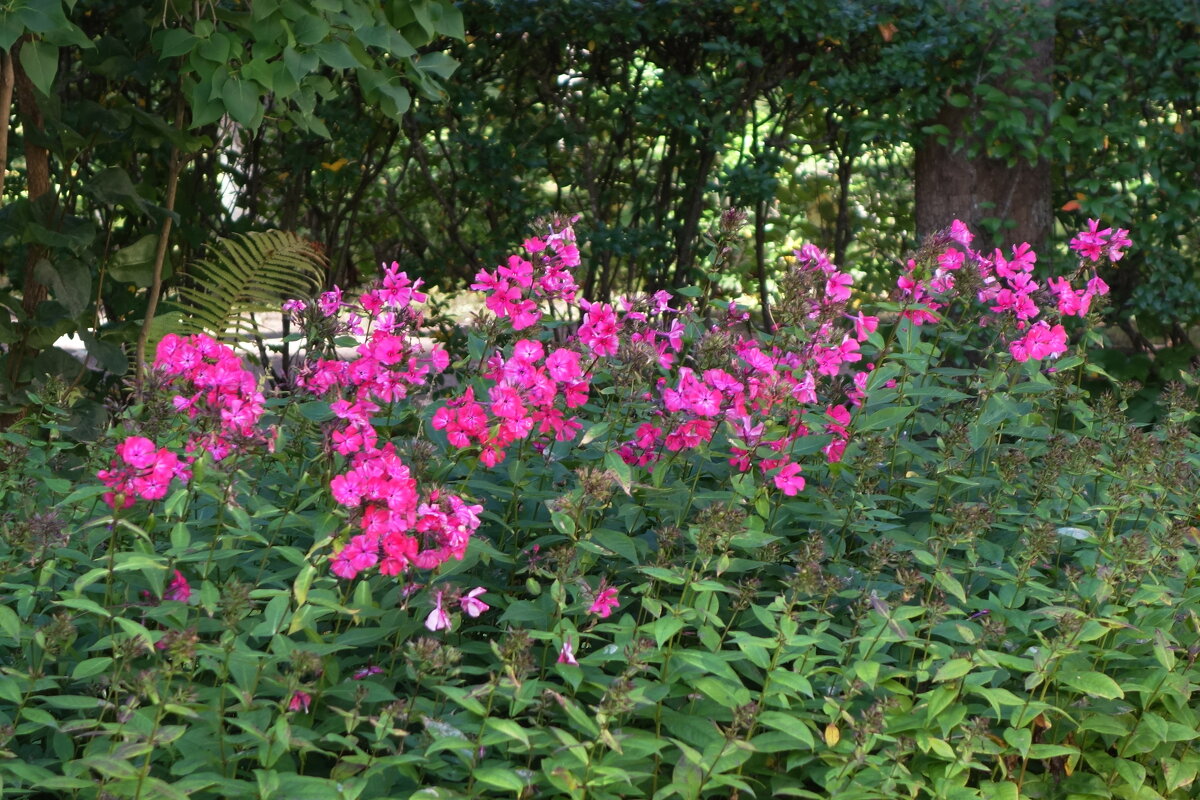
(789, 724)
(175, 42)
(953, 669)
(885, 418)
(90, 667)
(241, 100)
(69, 280)
(106, 355)
(500, 778)
(618, 467)
(39, 59)
(336, 54)
(10, 623)
(439, 64)
(1094, 683)
(113, 185)
(11, 29)
(251, 273)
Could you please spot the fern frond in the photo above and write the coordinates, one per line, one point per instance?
(247, 274)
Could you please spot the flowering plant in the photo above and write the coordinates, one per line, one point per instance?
(627, 548)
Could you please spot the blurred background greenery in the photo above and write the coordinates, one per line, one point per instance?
(432, 133)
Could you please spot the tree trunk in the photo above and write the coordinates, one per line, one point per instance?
(37, 175)
(950, 185)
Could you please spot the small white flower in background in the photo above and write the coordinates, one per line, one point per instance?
(470, 605)
(566, 655)
(438, 619)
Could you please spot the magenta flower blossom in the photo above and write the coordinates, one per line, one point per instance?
(178, 589)
(140, 471)
(471, 605)
(366, 672)
(605, 601)
(566, 654)
(789, 480)
(300, 701)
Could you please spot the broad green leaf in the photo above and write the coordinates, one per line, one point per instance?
(69, 280)
(175, 42)
(953, 669)
(1093, 683)
(241, 100)
(506, 779)
(789, 724)
(39, 59)
(10, 623)
(884, 418)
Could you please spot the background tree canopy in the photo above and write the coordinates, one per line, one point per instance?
(135, 125)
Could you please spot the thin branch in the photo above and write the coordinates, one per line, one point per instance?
(160, 255)
(7, 80)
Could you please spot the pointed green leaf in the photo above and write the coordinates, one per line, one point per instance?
(40, 61)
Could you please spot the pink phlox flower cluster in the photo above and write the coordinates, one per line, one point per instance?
(396, 290)
(644, 319)
(330, 302)
(1009, 287)
(837, 284)
(600, 328)
(140, 471)
(1039, 341)
(445, 524)
(921, 306)
(524, 398)
(388, 365)
(516, 287)
(365, 672)
(642, 449)
(838, 426)
(399, 530)
(439, 618)
(789, 480)
(1096, 243)
(213, 386)
(1074, 302)
(470, 603)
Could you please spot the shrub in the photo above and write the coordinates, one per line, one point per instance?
(640, 550)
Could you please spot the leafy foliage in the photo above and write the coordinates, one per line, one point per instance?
(114, 101)
(994, 592)
(250, 273)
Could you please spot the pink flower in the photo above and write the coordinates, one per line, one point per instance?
(599, 329)
(438, 619)
(471, 606)
(179, 589)
(605, 602)
(566, 654)
(837, 287)
(960, 233)
(789, 480)
(330, 302)
(300, 701)
(1091, 243)
(366, 672)
(360, 553)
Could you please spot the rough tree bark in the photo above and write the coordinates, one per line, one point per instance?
(951, 185)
